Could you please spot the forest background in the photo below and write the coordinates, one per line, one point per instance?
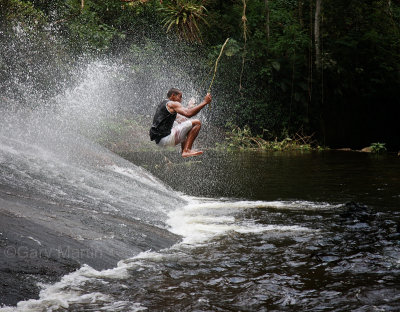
(330, 68)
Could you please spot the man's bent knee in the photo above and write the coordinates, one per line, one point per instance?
(196, 122)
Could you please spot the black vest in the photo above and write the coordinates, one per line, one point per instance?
(162, 122)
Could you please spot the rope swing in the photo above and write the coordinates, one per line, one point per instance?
(216, 65)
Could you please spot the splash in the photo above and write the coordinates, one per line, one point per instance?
(203, 219)
(54, 175)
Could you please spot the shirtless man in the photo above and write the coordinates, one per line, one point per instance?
(185, 131)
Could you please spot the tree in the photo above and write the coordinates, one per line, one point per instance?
(185, 17)
(317, 26)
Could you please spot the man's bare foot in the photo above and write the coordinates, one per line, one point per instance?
(191, 153)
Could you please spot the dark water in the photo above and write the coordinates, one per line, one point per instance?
(262, 232)
(331, 176)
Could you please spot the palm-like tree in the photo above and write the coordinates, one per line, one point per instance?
(184, 16)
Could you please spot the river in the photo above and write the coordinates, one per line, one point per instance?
(327, 176)
(260, 231)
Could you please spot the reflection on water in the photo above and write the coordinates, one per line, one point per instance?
(331, 176)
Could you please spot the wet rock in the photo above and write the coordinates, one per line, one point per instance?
(346, 149)
(366, 150)
(35, 248)
(24, 262)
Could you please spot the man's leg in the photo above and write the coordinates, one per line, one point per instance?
(191, 136)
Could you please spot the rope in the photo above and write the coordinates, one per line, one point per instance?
(216, 65)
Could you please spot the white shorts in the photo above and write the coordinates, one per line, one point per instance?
(178, 134)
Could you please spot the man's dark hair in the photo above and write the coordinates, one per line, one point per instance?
(173, 91)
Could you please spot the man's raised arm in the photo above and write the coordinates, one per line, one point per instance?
(190, 112)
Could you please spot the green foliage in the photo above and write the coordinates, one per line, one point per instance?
(12, 11)
(237, 138)
(29, 54)
(86, 27)
(378, 148)
(123, 135)
(101, 26)
(283, 89)
(270, 80)
(242, 138)
(185, 17)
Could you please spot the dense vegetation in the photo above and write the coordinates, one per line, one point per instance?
(329, 67)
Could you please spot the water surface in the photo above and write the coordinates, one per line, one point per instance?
(330, 176)
(260, 232)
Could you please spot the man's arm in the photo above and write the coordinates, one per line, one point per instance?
(189, 112)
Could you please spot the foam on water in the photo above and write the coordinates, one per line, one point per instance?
(198, 223)
(69, 290)
(223, 203)
(203, 219)
(138, 174)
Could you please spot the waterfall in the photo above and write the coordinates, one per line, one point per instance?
(66, 200)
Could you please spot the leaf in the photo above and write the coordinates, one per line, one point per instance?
(276, 65)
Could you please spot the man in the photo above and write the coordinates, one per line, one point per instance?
(168, 130)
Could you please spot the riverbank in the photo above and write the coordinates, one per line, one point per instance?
(125, 136)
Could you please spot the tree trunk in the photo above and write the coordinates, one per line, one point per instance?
(389, 4)
(310, 54)
(244, 21)
(267, 18)
(317, 28)
(82, 4)
(301, 3)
